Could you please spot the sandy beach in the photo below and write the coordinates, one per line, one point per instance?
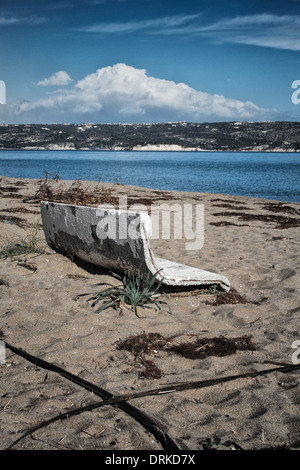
(253, 242)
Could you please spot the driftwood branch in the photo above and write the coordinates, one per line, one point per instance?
(165, 440)
(120, 401)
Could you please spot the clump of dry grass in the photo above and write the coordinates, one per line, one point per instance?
(54, 190)
(31, 243)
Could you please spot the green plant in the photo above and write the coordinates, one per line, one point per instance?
(134, 292)
(31, 243)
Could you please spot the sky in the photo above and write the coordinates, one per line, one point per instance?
(129, 61)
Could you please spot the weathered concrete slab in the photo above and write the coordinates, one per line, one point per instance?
(116, 239)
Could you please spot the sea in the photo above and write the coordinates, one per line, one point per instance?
(274, 176)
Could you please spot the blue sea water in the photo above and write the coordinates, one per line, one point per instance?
(264, 175)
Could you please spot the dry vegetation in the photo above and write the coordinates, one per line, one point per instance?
(51, 188)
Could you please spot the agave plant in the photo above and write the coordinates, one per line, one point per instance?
(134, 292)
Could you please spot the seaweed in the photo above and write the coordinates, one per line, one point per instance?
(280, 221)
(144, 343)
(230, 206)
(12, 189)
(217, 346)
(12, 219)
(140, 345)
(223, 223)
(151, 371)
(20, 209)
(229, 297)
(225, 201)
(279, 207)
(29, 266)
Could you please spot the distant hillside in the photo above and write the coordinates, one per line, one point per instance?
(220, 136)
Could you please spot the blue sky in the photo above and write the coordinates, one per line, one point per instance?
(148, 60)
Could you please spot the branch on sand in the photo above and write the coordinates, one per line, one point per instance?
(121, 400)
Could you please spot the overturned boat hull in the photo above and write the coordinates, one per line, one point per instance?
(116, 239)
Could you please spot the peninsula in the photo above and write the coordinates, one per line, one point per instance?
(173, 136)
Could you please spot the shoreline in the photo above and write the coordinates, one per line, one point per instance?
(149, 189)
(252, 241)
(158, 148)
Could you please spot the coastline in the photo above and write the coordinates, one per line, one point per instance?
(151, 148)
(250, 240)
(277, 136)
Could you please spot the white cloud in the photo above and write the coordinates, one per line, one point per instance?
(58, 78)
(131, 26)
(8, 20)
(265, 30)
(122, 93)
(12, 20)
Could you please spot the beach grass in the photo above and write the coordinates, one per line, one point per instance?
(30, 243)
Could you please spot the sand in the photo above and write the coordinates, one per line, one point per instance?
(253, 242)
